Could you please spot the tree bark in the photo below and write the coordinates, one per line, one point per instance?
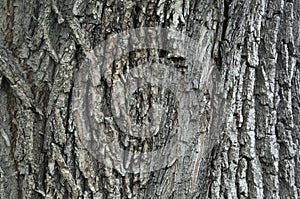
(245, 143)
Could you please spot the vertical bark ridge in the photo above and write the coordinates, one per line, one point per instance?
(255, 161)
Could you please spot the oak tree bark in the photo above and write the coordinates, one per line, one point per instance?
(254, 46)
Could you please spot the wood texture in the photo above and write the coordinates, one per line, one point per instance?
(246, 144)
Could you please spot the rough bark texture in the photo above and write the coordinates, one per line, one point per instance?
(254, 44)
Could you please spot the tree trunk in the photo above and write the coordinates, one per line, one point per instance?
(74, 125)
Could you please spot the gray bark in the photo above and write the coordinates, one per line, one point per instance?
(245, 144)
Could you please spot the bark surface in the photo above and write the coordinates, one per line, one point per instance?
(253, 44)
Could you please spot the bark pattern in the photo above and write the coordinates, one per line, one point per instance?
(254, 45)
